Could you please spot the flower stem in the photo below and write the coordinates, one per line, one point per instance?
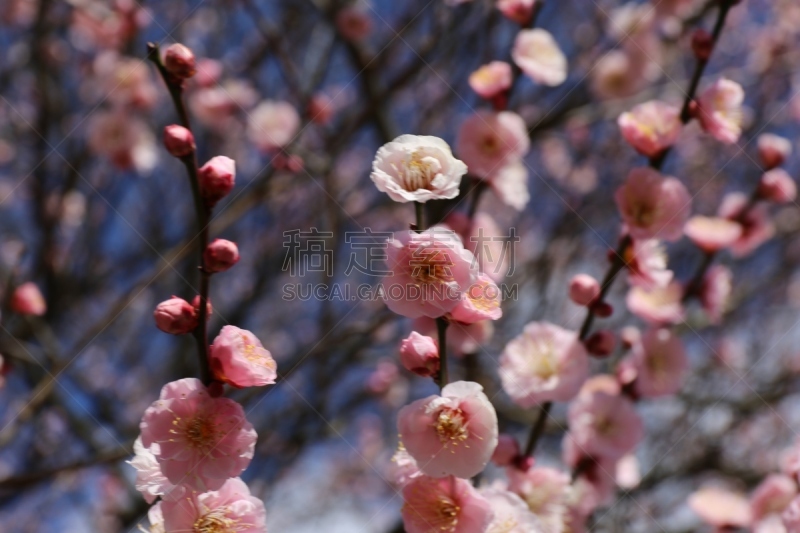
(538, 428)
(419, 208)
(441, 329)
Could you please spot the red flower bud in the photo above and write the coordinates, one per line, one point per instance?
(602, 309)
(178, 140)
(702, 44)
(217, 178)
(28, 300)
(175, 316)
(601, 343)
(220, 255)
(179, 61)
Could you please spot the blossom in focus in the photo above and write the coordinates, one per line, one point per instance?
(446, 504)
(217, 178)
(414, 168)
(481, 301)
(511, 513)
(715, 291)
(520, 11)
(719, 109)
(651, 127)
(175, 316)
(583, 289)
(491, 79)
(772, 496)
(490, 140)
(757, 228)
(429, 272)
(231, 508)
(537, 54)
(647, 264)
(272, 125)
(777, 186)
(420, 354)
(544, 363)
(712, 234)
(238, 358)
(659, 305)
(453, 434)
(150, 481)
(658, 363)
(721, 508)
(653, 206)
(202, 441)
(604, 425)
(545, 490)
(773, 150)
(27, 299)
(510, 184)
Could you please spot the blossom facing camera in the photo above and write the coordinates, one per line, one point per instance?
(653, 206)
(445, 504)
(178, 141)
(415, 168)
(537, 54)
(220, 255)
(420, 354)
(583, 289)
(175, 316)
(231, 508)
(545, 363)
(454, 434)
(719, 109)
(179, 61)
(238, 358)
(217, 178)
(491, 79)
(27, 299)
(481, 301)
(202, 441)
(651, 127)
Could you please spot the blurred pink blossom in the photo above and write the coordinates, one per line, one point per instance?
(583, 289)
(712, 234)
(720, 507)
(125, 139)
(772, 496)
(538, 55)
(27, 299)
(489, 140)
(544, 363)
(659, 305)
(719, 109)
(520, 11)
(272, 125)
(452, 434)
(777, 186)
(757, 228)
(491, 79)
(653, 206)
(420, 354)
(545, 490)
(510, 184)
(651, 127)
(647, 264)
(773, 150)
(604, 425)
(715, 291)
(658, 362)
(511, 513)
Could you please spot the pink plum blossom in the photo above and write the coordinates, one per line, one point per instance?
(272, 125)
(757, 228)
(125, 139)
(618, 74)
(712, 234)
(715, 291)
(452, 434)
(27, 299)
(653, 206)
(659, 305)
(404, 468)
(510, 184)
(772, 496)
(420, 354)
(217, 178)
(491, 79)
(231, 508)
(490, 140)
(429, 272)
(583, 289)
(150, 481)
(545, 490)
(156, 518)
(544, 363)
(773, 150)
(520, 11)
(790, 461)
(124, 81)
(415, 168)
(651, 127)
(720, 507)
(647, 264)
(447, 504)
(202, 441)
(658, 362)
(216, 105)
(596, 483)
(481, 301)
(791, 516)
(604, 425)
(777, 186)
(238, 358)
(511, 513)
(537, 54)
(719, 108)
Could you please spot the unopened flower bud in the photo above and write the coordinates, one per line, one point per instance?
(175, 316)
(216, 389)
(420, 354)
(217, 178)
(179, 61)
(602, 309)
(178, 140)
(702, 44)
(28, 300)
(320, 109)
(601, 343)
(507, 450)
(196, 305)
(220, 255)
(777, 186)
(524, 463)
(583, 289)
(773, 150)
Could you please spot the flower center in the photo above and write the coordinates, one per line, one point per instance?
(214, 522)
(200, 432)
(544, 363)
(431, 266)
(451, 426)
(447, 512)
(256, 355)
(419, 171)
